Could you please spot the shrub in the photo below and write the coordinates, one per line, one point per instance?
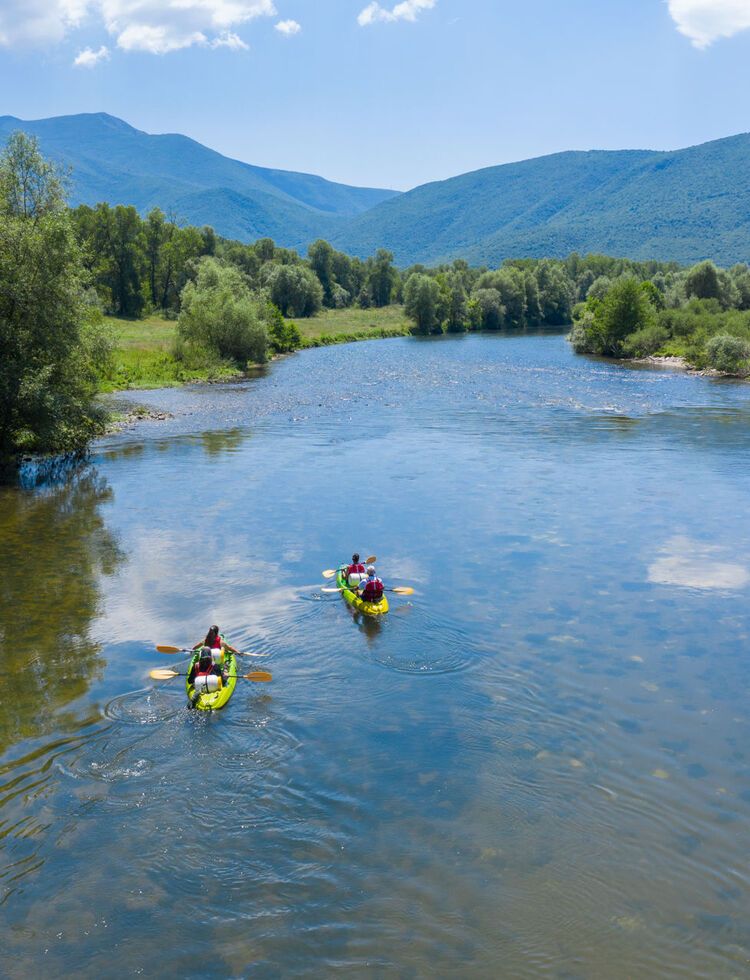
(645, 342)
(728, 354)
(219, 313)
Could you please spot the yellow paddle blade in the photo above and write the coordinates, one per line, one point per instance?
(329, 573)
(403, 590)
(163, 674)
(167, 649)
(260, 676)
(371, 560)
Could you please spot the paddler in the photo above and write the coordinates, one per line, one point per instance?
(355, 572)
(205, 667)
(215, 641)
(372, 589)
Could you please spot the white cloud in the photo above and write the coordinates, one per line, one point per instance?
(406, 10)
(88, 58)
(38, 21)
(705, 21)
(155, 26)
(230, 40)
(288, 27)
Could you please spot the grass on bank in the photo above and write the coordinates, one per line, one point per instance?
(144, 354)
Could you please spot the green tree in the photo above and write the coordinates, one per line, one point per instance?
(624, 311)
(48, 379)
(422, 303)
(556, 294)
(728, 354)
(220, 314)
(320, 254)
(491, 312)
(703, 281)
(294, 289)
(382, 277)
(454, 302)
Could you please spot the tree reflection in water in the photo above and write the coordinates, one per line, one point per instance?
(55, 548)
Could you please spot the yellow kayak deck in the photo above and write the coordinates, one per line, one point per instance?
(369, 608)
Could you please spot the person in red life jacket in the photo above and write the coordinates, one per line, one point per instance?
(215, 641)
(355, 572)
(371, 590)
(205, 667)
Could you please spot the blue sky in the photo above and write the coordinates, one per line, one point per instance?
(387, 94)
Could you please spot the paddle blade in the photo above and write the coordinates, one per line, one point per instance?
(330, 591)
(371, 560)
(403, 590)
(162, 674)
(329, 573)
(259, 676)
(167, 649)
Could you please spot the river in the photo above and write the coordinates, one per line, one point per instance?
(539, 764)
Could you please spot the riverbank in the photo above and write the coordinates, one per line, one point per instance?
(677, 363)
(144, 354)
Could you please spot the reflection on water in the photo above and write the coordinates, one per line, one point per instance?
(538, 763)
(55, 548)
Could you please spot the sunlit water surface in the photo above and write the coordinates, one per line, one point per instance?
(539, 764)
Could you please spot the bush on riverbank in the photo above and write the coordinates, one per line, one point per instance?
(221, 316)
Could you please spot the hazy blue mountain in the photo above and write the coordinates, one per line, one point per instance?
(684, 205)
(111, 161)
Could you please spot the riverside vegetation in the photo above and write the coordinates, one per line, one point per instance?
(100, 298)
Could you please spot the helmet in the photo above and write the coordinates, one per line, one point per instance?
(205, 653)
(355, 557)
(370, 569)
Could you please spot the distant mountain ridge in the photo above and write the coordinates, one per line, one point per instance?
(112, 161)
(682, 205)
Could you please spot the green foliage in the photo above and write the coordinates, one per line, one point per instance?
(48, 356)
(220, 314)
(646, 341)
(607, 323)
(284, 335)
(294, 289)
(422, 302)
(728, 354)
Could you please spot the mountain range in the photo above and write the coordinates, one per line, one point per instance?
(682, 205)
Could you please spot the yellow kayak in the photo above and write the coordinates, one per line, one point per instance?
(214, 700)
(370, 608)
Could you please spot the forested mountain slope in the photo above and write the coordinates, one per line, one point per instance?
(684, 206)
(111, 161)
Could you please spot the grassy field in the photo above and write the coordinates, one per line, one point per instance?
(354, 324)
(144, 354)
(144, 357)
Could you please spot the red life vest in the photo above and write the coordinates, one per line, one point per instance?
(373, 590)
(204, 673)
(356, 570)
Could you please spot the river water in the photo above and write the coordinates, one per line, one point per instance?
(539, 764)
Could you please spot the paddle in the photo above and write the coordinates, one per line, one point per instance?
(330, 572)
(164, 674)
(399, 590)
(171, 650)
